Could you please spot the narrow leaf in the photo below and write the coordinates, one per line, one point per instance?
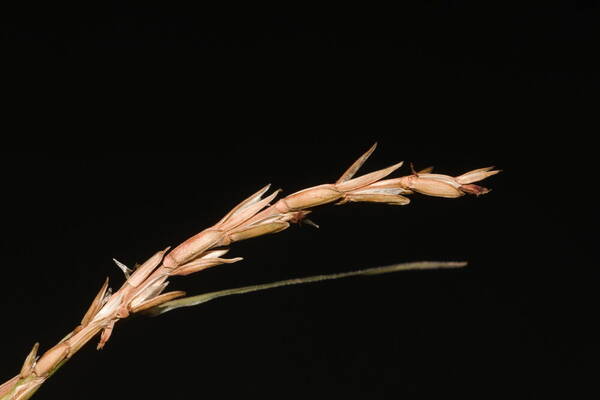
(206, 297)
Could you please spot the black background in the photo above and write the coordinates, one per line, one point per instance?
(232, 98)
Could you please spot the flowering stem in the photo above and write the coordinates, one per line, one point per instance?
(253, 217)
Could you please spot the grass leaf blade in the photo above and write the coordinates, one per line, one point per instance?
(206, 297)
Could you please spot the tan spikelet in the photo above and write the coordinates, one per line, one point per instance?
(96, 304)
(313, 197)
(249, 201)
(367, 179)
(27, 367)
(476, 175)
(146, 268)
(351, 171)
(158, 300)
(50, 359)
